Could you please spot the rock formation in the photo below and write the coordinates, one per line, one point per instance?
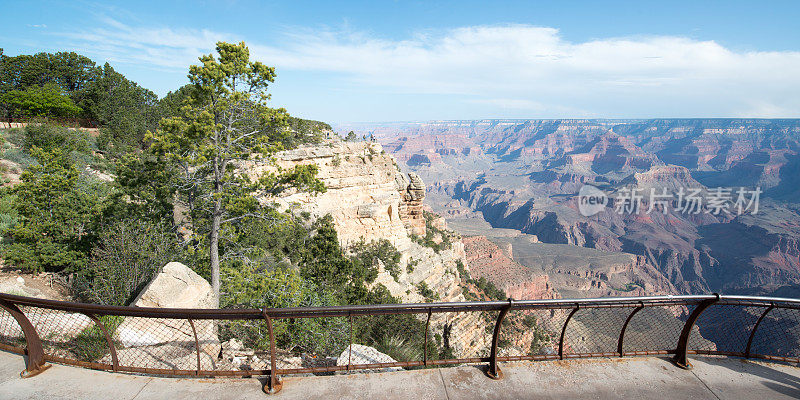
(360, 354)
(487, 260)
(176, 286)
(370, 198)
(412, 193)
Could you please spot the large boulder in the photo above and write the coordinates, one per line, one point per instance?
(176, 286)
(360, 354)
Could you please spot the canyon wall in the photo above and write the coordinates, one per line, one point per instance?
(369, 198)
(525, 175)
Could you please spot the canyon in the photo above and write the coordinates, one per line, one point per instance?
(524, 176)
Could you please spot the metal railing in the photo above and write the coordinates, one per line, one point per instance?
(187, 342)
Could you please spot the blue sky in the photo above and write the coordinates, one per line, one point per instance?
(422, 60)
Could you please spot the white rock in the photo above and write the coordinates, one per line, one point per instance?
(364, 355)
(176, 286)
(233, 345)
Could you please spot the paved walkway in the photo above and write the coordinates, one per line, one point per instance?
(634, 378)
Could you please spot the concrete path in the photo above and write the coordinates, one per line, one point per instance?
(634, 378)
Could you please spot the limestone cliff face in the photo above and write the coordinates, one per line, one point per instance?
(412, 192)
(369, 197)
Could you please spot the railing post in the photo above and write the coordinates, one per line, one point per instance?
(273, 385)
(564, 331)
(350, 346)
(111, 348)
(196, 345)
(625, 326)
(494, 371)
(35, 364)
(753, 332)
(425, 348)
(681, 359)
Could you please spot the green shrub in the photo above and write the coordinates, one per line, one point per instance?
(40, 101)
(49, 137)
(412, 263)
(59, 213)
(367, 255)
(8, 214)
(259, 285)
(432, 232)
(127, 256)
(426, 292)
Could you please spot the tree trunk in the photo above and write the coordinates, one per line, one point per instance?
(214, 251)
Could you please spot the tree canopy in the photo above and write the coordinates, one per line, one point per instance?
(225, 121)
(39, 101)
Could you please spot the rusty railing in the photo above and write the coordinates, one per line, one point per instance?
(187, 342)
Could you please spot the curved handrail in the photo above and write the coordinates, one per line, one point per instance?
(36, 362)
(371, 309)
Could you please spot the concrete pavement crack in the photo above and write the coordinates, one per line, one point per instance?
(444, 385)
(704, 384)
(142, 388)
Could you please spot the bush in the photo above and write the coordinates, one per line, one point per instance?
(432, 232)
(50, 137)
(58, 215)
(426, 292)
(412, 263)
(252, 285)
(367, 255)
(8, 214)
(13, 142)
(40, 101)
(127, 256)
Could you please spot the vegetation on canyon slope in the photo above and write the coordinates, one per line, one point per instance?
(99, 207)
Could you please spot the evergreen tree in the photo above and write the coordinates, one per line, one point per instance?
(225, 122)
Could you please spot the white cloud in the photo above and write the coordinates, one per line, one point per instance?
(512, 66)
(151, 46)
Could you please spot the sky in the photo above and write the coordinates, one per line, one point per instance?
(372, 61)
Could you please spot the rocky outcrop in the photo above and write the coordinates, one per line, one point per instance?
(176, 286)
(487, 260)
(412, 193)
(365, 191)
(360, 354)
(369, 198)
